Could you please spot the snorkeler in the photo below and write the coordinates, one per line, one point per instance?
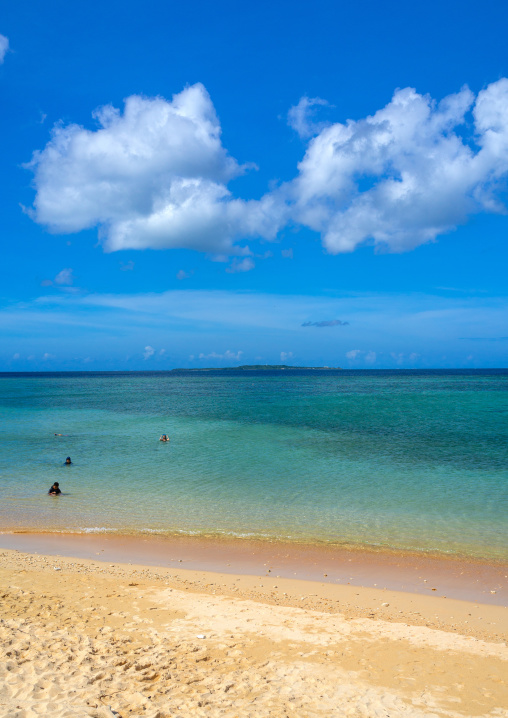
(68, 460)
(54, 490)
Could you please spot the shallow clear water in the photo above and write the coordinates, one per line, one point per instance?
(414, 461)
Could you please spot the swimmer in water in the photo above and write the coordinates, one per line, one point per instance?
(55, 489)
(68, 460)
(164, 437)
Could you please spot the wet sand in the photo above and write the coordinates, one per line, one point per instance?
(107, 637)
(449, 576)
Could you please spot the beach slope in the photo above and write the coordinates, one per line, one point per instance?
(85, 638)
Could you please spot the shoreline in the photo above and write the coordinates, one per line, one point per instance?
(431, 575)
(498, 557)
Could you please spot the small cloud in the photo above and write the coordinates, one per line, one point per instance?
(244, 266)
(286, 356)
(399, 358)
(287, 253)
(87, 360)
(127, 266)
(182, 275)
(149, 352)
(329, 323)
(162, 352)
(470, 357)
(229, 355)
(369, 357)
(64, 277)
(4, 47)
(300, 117)
(16, 356)
(484, 339)
(402, 358)
(42, 118)
(31, 357)
(47, 356)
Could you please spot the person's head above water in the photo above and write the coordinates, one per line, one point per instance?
(68, 460)
(56, 485)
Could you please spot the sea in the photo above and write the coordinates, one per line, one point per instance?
(388, 460)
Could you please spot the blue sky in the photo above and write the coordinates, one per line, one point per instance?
(212, 184)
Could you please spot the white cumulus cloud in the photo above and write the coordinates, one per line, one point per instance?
(4, 47)
(148, 352)
(152, 176)
(406, 174)
(156, 175)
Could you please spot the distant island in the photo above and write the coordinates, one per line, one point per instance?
(261, 367)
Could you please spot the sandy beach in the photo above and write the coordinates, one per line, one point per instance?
(95, 637)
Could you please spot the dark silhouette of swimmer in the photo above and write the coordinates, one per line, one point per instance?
(164, 437)
(68, 460)
(54, 490)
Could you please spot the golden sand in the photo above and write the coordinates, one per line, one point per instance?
(85, 638)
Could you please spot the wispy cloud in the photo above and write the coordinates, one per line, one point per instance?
(368, 356)
(328, 323)
(484, 339)
(64, 278)
(301, 116)
(228, 355)
(4, 47)
(244, 265)
(286, 356)
(382, 323)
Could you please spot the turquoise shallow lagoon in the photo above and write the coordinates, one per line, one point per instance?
(405, 460)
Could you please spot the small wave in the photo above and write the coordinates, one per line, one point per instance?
(97, 530)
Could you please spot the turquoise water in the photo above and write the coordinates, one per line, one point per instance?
(401, 460)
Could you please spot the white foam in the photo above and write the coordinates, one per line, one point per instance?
(97, 530)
